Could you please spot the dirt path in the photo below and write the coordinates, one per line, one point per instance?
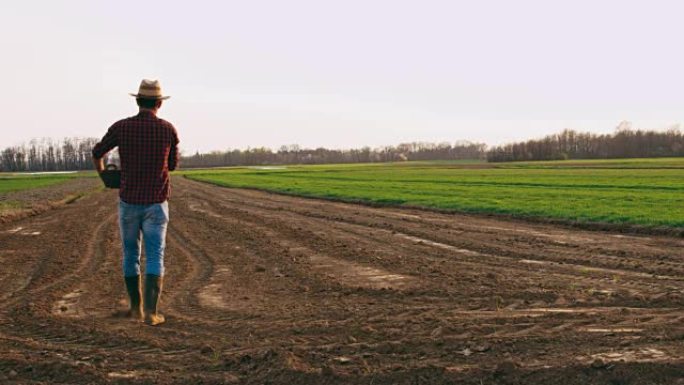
(264, 288)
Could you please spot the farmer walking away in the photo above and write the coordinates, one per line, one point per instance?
(147, 151)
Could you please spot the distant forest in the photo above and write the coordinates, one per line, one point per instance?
(75, 153)
(293, 154)
(623, 143)
(69, 154)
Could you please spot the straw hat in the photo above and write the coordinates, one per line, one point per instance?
(150, 89)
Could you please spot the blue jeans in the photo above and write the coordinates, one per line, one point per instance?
(148, 223)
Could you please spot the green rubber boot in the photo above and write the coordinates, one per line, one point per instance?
(153, 289)
(134, 297)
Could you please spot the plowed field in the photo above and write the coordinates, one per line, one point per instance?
(263, 288)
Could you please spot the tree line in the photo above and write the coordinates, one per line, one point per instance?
(625, 142)
(71, 154)
(68, 154)
(294, 154)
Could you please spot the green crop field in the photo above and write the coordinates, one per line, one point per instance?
(659, 163)
(647, 192)
(17, 182)
(22, 191)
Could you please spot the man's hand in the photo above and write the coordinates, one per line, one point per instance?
(99, 164)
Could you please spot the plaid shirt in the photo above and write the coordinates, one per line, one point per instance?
(148, 151)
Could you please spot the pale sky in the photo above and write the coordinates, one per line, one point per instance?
(341, 74)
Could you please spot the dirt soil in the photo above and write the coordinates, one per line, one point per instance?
(270, 289)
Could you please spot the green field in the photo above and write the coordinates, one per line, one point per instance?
(659, 163)
(17, 182)
(646, 192)
(15, 194)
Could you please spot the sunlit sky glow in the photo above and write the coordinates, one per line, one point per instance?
(341, 74)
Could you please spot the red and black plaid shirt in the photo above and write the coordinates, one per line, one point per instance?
(148, 150)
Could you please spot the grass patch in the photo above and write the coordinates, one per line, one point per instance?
(647, 192)
(640, 163)
(10, 182)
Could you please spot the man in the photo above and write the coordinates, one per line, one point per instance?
(147, 151)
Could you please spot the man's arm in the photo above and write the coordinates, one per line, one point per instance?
(173, 153)
(108, 142)
(99, 164)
